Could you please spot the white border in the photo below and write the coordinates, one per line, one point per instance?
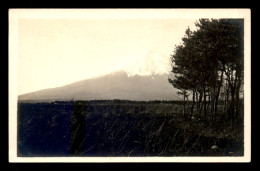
(16, 14)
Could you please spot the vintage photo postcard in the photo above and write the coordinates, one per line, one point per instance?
(129, 85)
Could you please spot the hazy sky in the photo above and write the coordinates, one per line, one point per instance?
(56, 52)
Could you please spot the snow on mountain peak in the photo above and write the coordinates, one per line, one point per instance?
(153, 63)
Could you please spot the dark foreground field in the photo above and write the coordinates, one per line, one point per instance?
(122, 128)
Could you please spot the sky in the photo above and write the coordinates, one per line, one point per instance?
(56, 52)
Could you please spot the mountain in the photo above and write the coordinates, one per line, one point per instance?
(141, 79)
(117, 85)
(152, 63)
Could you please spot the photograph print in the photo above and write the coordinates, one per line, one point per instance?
(130, 85)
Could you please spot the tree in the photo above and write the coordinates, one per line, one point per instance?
(206, 59)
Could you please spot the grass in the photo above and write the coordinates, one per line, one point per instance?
(122, 128)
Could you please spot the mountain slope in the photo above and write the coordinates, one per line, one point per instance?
(117, 85)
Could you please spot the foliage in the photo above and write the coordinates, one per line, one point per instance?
(207, 58)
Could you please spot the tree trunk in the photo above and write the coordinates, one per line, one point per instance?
(213, 99)
(187, 101)
(183, 104)
(226, 99)
(197, 102)
(205, 102)
(237, 102)
(193, 101)
(209, 100)
(200, 101)
(232, 105)
(217, 95)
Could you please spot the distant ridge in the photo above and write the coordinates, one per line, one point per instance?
(117, 85)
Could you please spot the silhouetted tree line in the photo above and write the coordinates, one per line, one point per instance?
(108, 102)
(208, 65)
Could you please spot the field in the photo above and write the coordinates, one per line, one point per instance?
(122, 128)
